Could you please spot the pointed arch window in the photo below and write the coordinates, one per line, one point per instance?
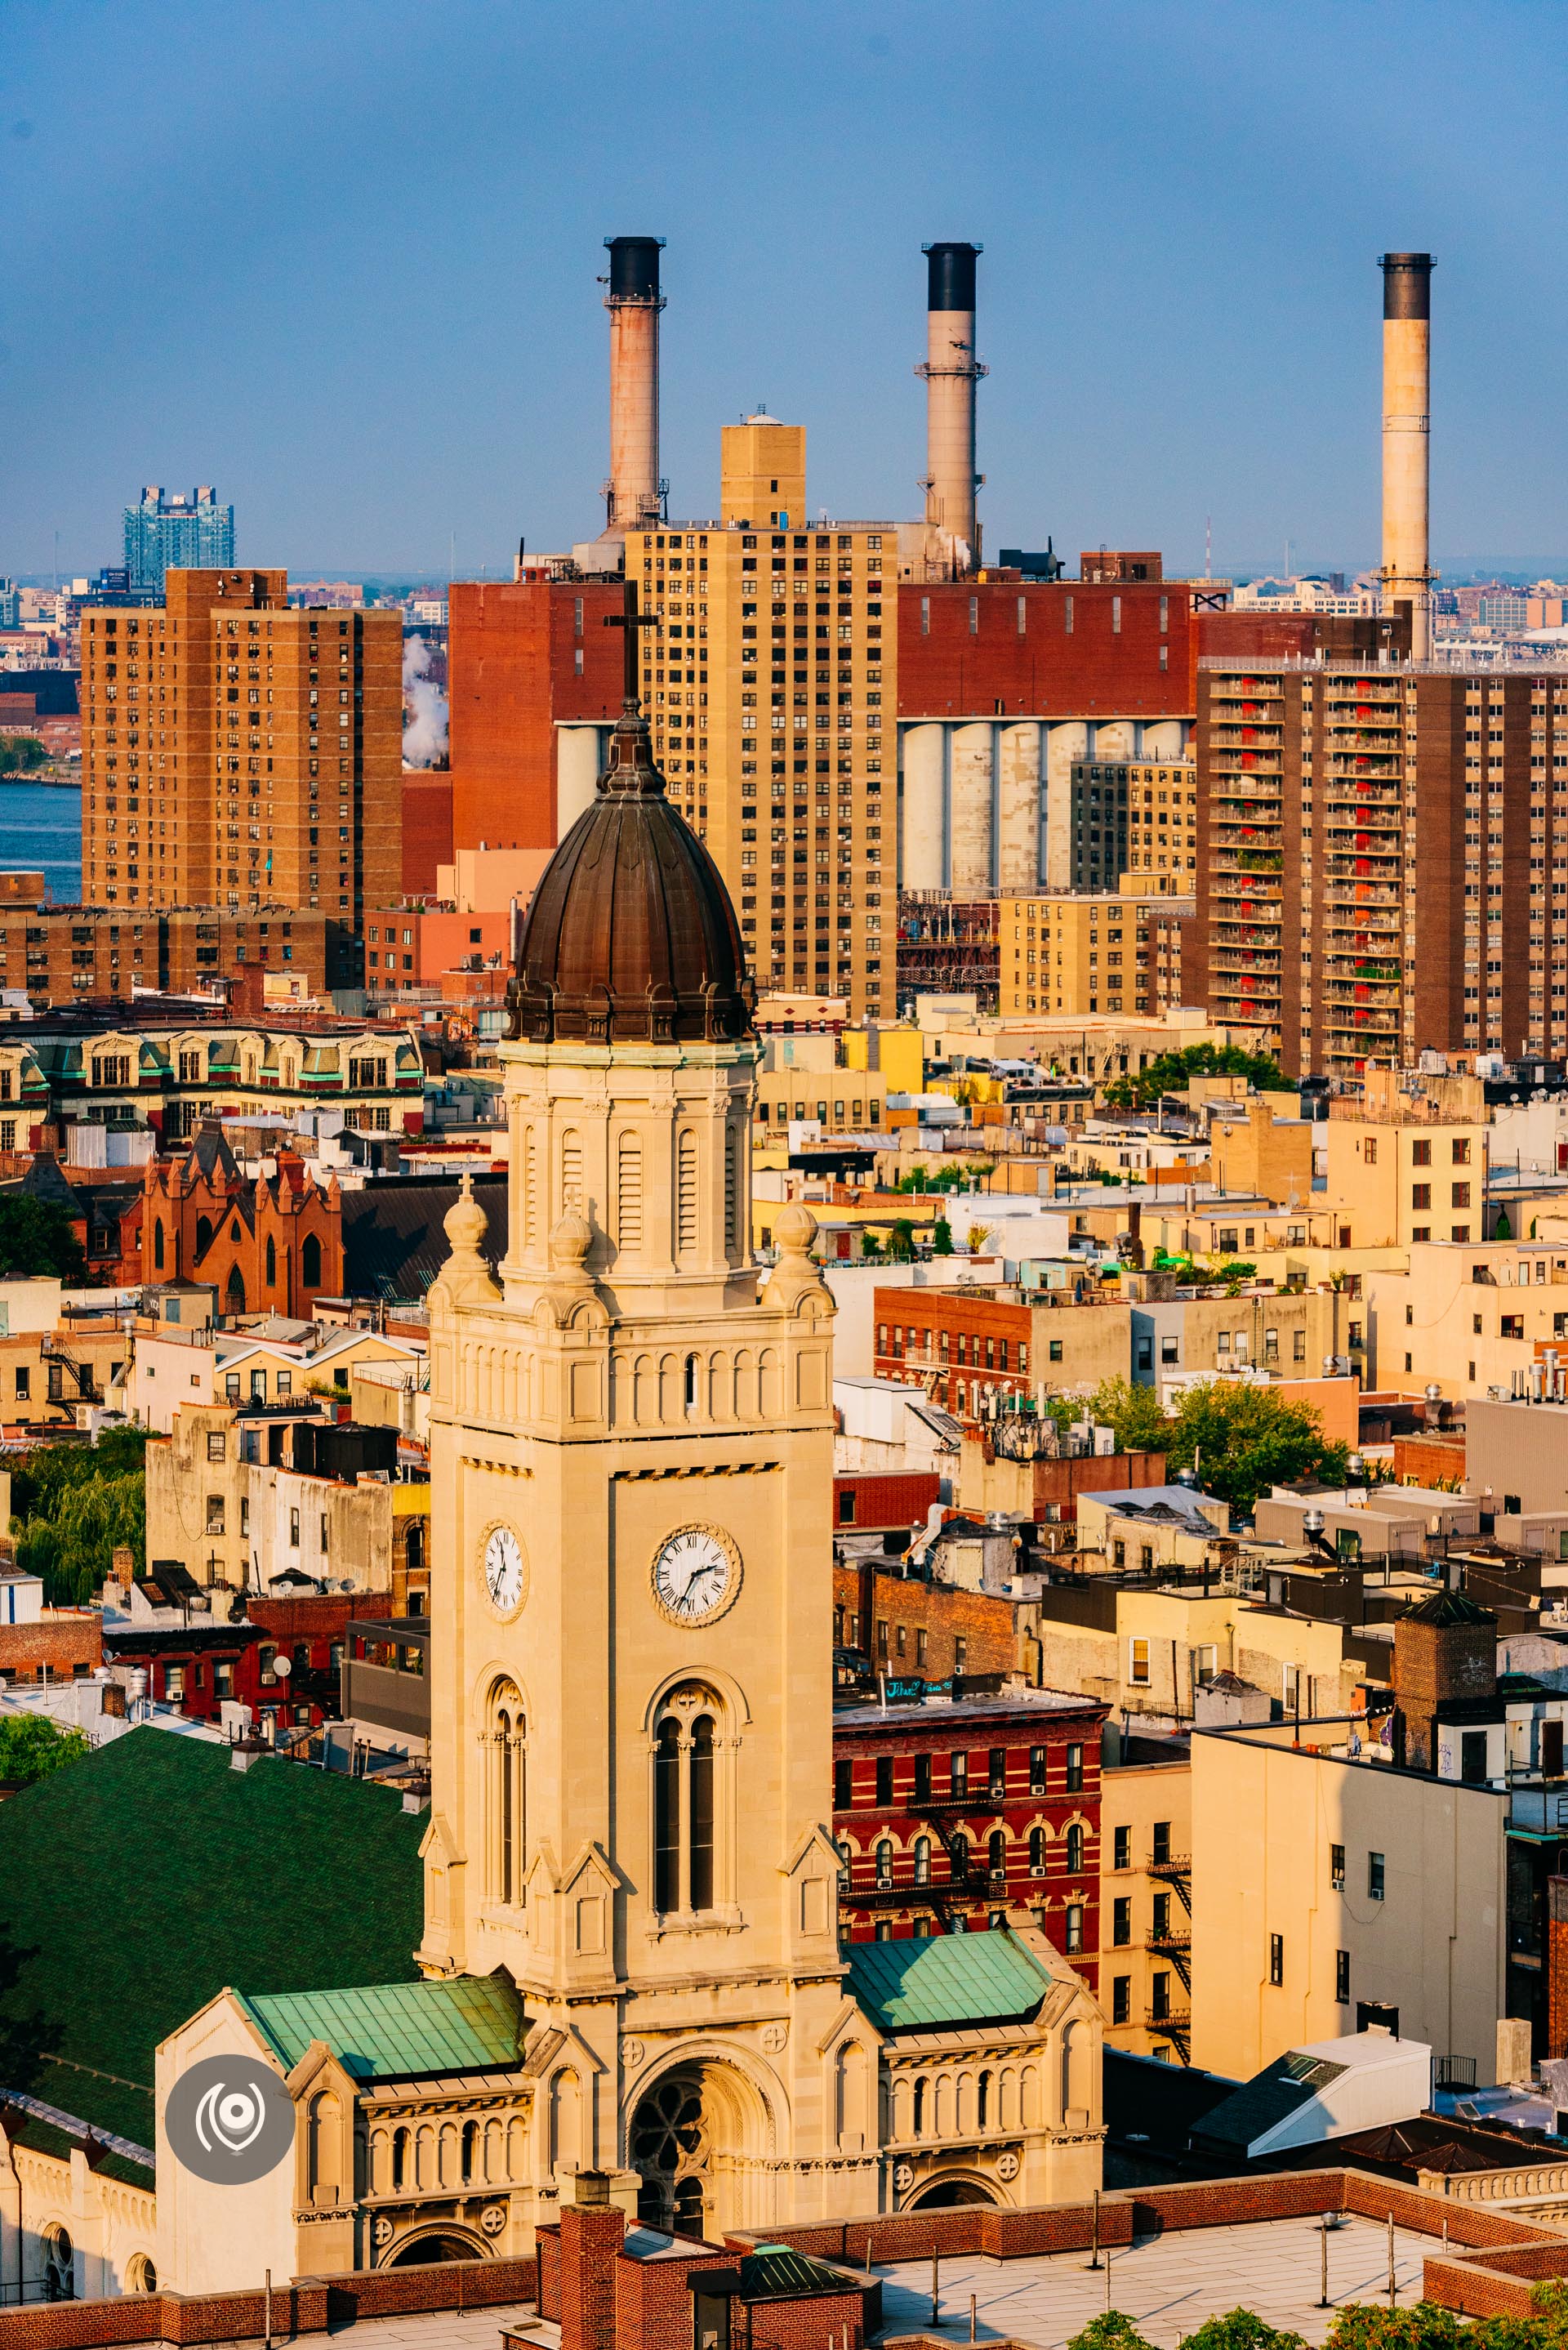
(507, 1794)
(158, 1245)
(310, 1261)
(271, 1259)
(692, 1803)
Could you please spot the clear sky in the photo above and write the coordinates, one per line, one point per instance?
(339, 259)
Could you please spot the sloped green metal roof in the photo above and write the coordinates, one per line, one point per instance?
(951, 1979)
(383, 2032)
(778, 2273)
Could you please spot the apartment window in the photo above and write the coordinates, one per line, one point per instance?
(884, 1781)
(1161, 1854)
(1276, 1959)
(1075, 1926)
(1121, 1921)
(1421, 1153)
(1374, 1876)
(1160, 1995)
(216, 1443)
(1342, 1978)
(214, 1513)
(1337, 1866)
(1121, 1847)
(1137, 1663)
(1074, 1770)
(843, 1787)
(922, 1779)
(1121, 1998)
(293, 1529)
(1037, 1769)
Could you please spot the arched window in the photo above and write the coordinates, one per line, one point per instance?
(884, 1863)
(629, 1192)
(507, 1793)
(686, 1193)
(140, 2276)
(470, 2143)
(996, 1852)
(271, 1259)
(982, 2109)
(846, 1863)
(1037, 1852)
(310, 1261)
(204, 1234)
(691, 1370)
(234, 1292)
(920, 2108)
(958, 1858)
(667, 1817)
(922, 1860)
(1074, 1850)
(158, 1245)
(400, 2157)
(701, 1769)
(689, 1836)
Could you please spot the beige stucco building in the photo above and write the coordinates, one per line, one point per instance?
(1329, 1891)
(1145, 1901)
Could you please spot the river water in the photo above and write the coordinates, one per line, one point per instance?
(41, 829)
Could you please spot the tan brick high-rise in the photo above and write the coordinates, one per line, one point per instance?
(772, 686)
(237, 752)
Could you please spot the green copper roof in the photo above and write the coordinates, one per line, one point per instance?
(383, 2032)
(951, 1979)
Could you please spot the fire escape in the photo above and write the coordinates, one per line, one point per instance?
(1169, 1940)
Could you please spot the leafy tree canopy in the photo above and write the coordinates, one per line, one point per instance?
(32, 1746)
(20, 754)
(1240, 1438)
(1169, 1072)
(36, 1239)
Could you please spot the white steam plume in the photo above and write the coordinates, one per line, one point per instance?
(424, 731)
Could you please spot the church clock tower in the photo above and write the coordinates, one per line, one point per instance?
(631, 1467)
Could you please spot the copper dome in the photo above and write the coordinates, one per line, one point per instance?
(630, 936)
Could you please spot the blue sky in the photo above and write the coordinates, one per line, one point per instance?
(339, 259)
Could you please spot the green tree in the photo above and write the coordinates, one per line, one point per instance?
(32, 1746)
(43, 1474)
(36, 1239)
(1244, 1439)
(870, 1247)
(73, 1548)
(21, 755)
(1368, 2326)
(1170, 1072)
(1134, 1413)
(942, 1238)
(1114, 2331)
(1239, 2329)
(902, 1242)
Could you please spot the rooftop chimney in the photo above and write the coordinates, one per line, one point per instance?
(633, 491)
(951, 372)
(1406, 440)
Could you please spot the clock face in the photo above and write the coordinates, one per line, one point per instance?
(696, 1574)
(505, 1575)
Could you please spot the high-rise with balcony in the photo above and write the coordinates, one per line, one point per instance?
(165, 532)
(238, 753)
(771, 684)
(1382, 860)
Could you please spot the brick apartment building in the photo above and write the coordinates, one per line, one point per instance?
(1383, 860)
(964, 1345)
(237, 751)
(909, 1626)
(951, 1810)
(65, 955)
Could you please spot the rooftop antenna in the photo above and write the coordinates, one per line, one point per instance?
(1209, 546)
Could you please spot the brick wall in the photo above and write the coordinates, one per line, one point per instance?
(60, 1643)
(309, 2306)
(884, 1500)
(945, 1612)
(1057, 666)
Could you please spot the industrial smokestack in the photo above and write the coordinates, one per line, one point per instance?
(1406, 440)
(634, 491)
(951, 372)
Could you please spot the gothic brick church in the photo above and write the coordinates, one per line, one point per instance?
(271, 1242)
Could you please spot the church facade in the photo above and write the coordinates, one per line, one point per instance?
(627, 1862)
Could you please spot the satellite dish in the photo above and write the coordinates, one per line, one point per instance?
(282, 1666)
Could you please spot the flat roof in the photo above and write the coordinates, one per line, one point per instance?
(1167, 2283)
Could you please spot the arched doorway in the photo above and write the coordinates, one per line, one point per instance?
(420, 2252)
(945, 2194)
(701, 2136)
